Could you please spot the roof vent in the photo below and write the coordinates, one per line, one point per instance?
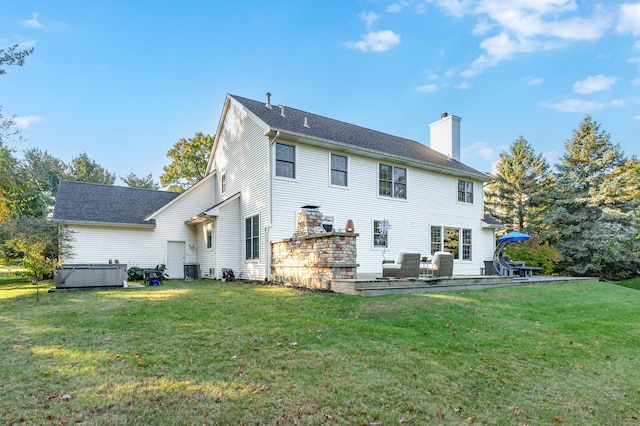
(282, 111)
(306, 122)
(268, 104)
(444, 115)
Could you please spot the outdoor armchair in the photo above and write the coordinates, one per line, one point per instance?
(442, 264)
(406, 264)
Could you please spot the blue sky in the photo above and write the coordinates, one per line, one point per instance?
(124, 80)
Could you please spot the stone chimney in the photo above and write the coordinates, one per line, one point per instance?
(309, 222)
(444, 136)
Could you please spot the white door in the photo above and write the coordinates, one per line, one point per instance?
(175, 259)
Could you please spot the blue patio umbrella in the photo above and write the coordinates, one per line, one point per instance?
(499, 263)
(512, 237)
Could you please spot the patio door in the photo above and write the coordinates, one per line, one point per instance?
(175, 259)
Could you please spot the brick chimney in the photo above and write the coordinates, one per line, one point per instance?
(444, 136)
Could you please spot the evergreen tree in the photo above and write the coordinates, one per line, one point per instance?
(593, 223)
(145, 182)
(517, 196)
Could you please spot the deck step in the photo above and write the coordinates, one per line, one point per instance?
(387, 287)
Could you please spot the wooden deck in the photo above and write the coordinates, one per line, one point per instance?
(369, 286)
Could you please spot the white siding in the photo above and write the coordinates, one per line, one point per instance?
(99, 244)
(146, 247)
(230, 254)
(431, 200)
(242, 154)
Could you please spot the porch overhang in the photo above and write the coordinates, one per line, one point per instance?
(212, 212)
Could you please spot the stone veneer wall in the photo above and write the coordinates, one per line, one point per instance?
(313, 257)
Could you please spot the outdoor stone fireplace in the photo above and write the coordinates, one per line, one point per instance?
(314, 256)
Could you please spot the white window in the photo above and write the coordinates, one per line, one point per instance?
(338, 170)
(465, 191)
(456, 241)
(223, 183)
(392, 181)
(380, 233)
(252, 237)
(285, 160)
(208, 229)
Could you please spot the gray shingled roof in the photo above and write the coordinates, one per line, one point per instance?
(490, 220)
(90, 202)
(356, 136)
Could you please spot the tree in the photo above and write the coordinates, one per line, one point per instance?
(516, 196)
(37, 242)
(8, 129)
(189, 162)
(8, 185)
(33, 260)
(47, 171)
(13, 56)
(13, 192)
(19, 191)
(84, 169)
(145, 182)
(593, 221)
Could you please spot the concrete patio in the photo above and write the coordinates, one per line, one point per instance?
(370, 285)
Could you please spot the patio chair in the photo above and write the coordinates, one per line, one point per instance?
(489, 269)
(405, 265)
(442, 264)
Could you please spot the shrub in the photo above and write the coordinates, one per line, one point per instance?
(135, 274)
(540, 255)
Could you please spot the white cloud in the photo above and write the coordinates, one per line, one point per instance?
(375, 41)
(583, 106)
(482, 27)
(456, 8)
(428, 88)
(629, 19)
(369, 18)
(33, 22)
(594, 83)
(479, 151)
(525, 26)
(636, 117)
(25, 121)
(534, 81)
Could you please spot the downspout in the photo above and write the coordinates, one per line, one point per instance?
(268, 228)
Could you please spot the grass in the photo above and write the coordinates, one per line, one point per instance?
(206, 352)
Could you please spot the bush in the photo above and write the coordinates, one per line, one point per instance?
(135, 274)
(543, 256)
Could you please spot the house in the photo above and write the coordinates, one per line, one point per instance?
(267, 162)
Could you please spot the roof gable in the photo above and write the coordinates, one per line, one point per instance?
(109, 204)
(294, 121)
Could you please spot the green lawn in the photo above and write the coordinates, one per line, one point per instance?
(211, 353)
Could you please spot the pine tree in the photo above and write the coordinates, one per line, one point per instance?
(516, 196)
(593, 221)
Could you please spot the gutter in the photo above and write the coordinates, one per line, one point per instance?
(107, 224)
